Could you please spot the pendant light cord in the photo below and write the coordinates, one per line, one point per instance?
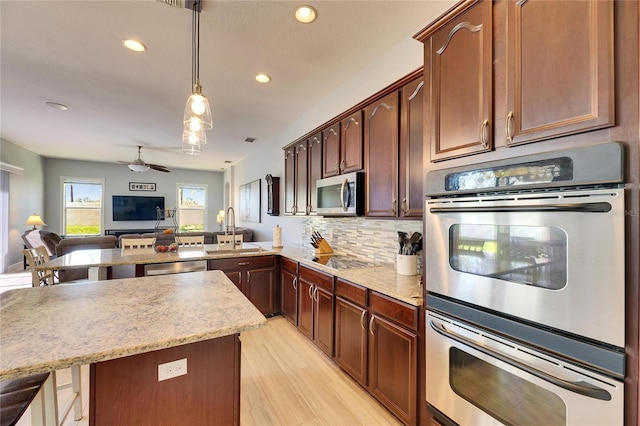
(195, 45)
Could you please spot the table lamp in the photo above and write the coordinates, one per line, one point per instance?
(35, 220)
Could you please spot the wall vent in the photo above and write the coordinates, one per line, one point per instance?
(250, 140)
(173, 3)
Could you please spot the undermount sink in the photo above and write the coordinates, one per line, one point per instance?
(241, 248)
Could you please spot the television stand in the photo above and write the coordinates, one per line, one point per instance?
(118, 232)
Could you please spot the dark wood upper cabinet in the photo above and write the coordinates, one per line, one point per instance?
(314, 161)
(289, 180)
(302, 158)
(560, 77)
(411, 149)
(331, 146)
(458, 62)
(381, 132)
(351, 143)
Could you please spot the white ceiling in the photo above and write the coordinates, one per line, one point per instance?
(70, 52)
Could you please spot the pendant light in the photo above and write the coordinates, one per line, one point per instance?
(197, 113)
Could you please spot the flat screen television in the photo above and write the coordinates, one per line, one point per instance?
(129, 207)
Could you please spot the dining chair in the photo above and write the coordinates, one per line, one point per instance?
(37, 256)
(191, 241)
(229, 239)
(137, 243)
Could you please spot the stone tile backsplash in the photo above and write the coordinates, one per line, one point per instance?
(375, 240)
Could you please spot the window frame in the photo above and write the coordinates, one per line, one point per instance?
(63, 204)
(204, 209)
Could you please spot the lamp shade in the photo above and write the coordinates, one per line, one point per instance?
(35, 220)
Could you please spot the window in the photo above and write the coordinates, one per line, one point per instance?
(82, 204)
(192, 206)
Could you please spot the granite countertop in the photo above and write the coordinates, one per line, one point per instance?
(54, 327)
(378, 277)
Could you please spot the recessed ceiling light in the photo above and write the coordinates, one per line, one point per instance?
(134, 45)
(56, 105)
(263, 78)
(306, 14)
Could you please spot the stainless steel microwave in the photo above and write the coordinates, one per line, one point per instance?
(341, 195)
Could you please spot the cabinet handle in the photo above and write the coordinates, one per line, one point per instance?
(507, 127)
(239, 277)
(243, 263)
(362, 319)
(405, 207)
(484, 134)
(248, 277)
(294, 209)
(371, 325)
(310, 295)
(308, 210)
(393, 205)
(343, 165)
(295, 283)
(337, 168)
(315, 294)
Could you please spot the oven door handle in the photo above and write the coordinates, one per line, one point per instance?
(582, 388)
(601, 207)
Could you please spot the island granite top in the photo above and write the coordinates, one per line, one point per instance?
(54, 327)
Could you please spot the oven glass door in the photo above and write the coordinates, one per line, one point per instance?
(555, 259)
(490, 380)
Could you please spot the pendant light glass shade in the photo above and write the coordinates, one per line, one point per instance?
(190, 149)
(193, 137)
(197, 110)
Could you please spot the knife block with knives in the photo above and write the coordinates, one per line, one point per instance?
(321, 245)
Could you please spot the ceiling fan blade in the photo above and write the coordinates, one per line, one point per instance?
(158, 168)
(124, 162)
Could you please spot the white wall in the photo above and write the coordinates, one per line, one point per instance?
(26, 196)
(117, 178)
(268, 156)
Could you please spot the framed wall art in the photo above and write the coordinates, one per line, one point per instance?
(142, 186)
(249, 201)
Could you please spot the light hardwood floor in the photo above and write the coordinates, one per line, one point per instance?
(285, 380)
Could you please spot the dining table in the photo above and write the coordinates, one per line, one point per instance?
(131, 331)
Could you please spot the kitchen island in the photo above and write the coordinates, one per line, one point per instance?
(126, 329)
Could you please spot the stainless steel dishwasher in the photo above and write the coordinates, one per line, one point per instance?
(175, 267)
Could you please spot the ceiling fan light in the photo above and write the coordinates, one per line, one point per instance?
(138, 168)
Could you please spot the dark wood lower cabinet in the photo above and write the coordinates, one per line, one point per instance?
(351, 339)
(305, 308)
(255, 277)
(289, 290)
(127, 391)
(393, 368)
(316, 307)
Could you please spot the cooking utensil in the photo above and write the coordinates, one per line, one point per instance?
(401, 241)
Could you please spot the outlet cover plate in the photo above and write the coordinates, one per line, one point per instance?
(172, 369)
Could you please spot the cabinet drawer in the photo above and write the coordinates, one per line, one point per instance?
(316, 277)
(242, 263)
(394, 310)
(353, 292)
(289, 265)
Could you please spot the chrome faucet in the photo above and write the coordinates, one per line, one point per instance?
(233, 226)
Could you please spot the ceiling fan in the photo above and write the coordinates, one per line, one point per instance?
(140, 166)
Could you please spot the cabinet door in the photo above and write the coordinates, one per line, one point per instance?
(381, 127)
(289, 292)
(351, 339)
(289, 180)
(560, 76)
(261, 289)
(331, 148)
(301, 170)
(236, 278)
(315, 170)
(305, 308)
(411, 148)
(459, 60)
(351, 143)
(393, 366)
(323, 321)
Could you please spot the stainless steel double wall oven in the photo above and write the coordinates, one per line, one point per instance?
(526, 289)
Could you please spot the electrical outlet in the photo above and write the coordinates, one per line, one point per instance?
(172, 369)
